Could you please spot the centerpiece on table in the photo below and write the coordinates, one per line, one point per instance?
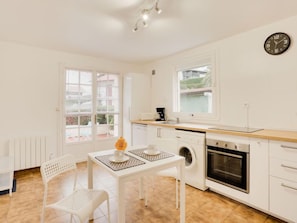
(120, 146)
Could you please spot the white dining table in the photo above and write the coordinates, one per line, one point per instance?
(146, 168)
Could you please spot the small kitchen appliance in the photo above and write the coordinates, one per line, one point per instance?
(161, 112)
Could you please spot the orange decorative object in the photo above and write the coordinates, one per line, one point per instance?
(121, 144)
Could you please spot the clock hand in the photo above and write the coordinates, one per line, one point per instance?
(280, 41)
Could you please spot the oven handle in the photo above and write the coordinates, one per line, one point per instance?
(223, 153)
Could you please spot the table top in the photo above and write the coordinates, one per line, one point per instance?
(144, 165)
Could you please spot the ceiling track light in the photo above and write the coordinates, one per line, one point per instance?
(145, 14)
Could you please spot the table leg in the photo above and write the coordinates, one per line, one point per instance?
(90, 173)
(90, 180)
(141, 193)
(182, 192)
(121, 202)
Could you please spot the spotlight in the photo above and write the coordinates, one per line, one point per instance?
(135, 29)
(145, 14)
(158, 10)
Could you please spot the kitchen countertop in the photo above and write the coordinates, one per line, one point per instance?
(279, 135)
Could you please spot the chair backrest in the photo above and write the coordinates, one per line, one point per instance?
(56, 166)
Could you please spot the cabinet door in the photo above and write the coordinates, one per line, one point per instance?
(155, 132)
(283, 197)
(259, 173)
(139, 136)
(152, 133)
(283, 169)
(283, 150)
(167, 133)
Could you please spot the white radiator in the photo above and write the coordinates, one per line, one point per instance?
(28, 152)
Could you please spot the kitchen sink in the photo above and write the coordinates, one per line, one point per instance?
(168, 122)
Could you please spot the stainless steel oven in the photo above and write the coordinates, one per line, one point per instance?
(228, 163)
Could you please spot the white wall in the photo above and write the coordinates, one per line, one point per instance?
(246, 74)
(29, 89)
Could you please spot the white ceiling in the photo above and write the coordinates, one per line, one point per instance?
(103, 28)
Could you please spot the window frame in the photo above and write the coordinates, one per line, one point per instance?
(93, 137)
(193, 62)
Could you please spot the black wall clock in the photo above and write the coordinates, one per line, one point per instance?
(277, 43)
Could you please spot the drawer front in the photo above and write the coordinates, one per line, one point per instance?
(283, 169)
(283, 150)
(283, 197)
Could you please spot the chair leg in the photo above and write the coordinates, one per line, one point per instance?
(146, 186)
(176, 194)
(108, 211)
(42, 216)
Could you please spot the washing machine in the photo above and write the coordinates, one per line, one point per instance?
(191, 145)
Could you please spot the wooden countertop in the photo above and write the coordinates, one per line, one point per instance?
(279, 135)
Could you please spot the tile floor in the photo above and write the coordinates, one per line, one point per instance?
(206, 207)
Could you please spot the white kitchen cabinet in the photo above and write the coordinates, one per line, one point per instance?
(139, 135)
(157, 132)
(283, 179)
(259, 173)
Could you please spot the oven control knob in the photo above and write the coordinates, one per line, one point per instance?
(226, 145)
(235, 147)
(217, 143)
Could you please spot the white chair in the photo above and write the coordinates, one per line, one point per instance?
(81, 202)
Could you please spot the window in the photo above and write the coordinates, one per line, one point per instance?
(195, 89)
(91, 97)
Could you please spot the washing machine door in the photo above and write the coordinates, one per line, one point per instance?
(187, 152)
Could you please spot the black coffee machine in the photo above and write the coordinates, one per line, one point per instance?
(161, 112)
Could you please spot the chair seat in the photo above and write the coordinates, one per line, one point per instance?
(80, 201)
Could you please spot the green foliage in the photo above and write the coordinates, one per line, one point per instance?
(194, 83)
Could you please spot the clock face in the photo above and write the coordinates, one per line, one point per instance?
(277, 43)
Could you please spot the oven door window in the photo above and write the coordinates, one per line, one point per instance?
(228, 167)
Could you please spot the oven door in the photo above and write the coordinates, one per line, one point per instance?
(228, 167)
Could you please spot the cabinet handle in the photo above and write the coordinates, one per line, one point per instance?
(158, 132)
(284, 185)
(290, 167)
(288, 147)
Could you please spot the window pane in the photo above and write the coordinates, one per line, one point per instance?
(113, 105)
(85, 120)
(85, 77)
(101, 92)
(72, 77)
(71, 129)
(71, 121)
(195, 90)
(71, 135)
(101, 106)
(101, 119)
(78, 128)
(85, 134)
